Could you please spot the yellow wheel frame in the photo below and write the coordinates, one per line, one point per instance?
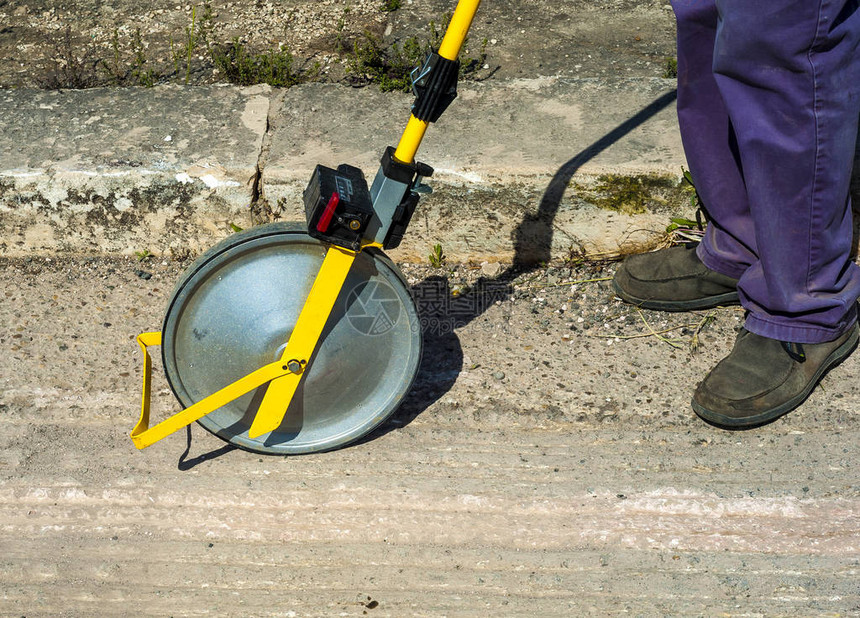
(284, 376)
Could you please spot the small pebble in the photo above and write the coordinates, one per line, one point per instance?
(491, 269)
(499, 375)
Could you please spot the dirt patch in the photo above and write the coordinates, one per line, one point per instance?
(544, 464)
(56, 43)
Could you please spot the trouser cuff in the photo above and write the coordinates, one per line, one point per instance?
(774, 328)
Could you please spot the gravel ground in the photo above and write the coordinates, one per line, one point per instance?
(51, 43)
(546, 462)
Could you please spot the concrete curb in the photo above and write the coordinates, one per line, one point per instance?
(504, 154)
(525, 168)
(117, 171)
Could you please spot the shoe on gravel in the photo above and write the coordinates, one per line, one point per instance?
(762, 379)
(673, 279)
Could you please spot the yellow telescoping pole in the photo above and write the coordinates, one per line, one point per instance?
(338, 261)
(459, 26)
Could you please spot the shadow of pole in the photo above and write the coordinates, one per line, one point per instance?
(533, 237)
(441, 315)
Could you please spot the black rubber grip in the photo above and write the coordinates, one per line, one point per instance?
(435, 87)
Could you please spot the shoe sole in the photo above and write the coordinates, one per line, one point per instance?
(726, 422)
(709, 302)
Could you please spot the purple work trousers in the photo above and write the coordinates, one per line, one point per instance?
(768, 105)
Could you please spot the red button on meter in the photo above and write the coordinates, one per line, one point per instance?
(328, 213)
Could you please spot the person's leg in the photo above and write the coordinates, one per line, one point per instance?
(709, 143)
(681, 278)
(789, 74)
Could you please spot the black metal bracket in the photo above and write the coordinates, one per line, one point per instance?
(408, 175)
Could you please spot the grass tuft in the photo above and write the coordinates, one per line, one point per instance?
(670, 68)
(276, 67)
(390, 67)
(72, 65)
(437, 257)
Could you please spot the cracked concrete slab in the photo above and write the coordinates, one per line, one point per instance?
(501, 153)
(526, 169)
(117, 171)
(171, 168)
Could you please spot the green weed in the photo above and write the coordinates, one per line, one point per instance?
(142, 73)
(437, 257)
(339, 35)
(695, 200)
(196, 34)
(390, 66)
(115, 68)
(677, 223)
(630, 194)
(670, 68)
(72, 64)
(276, 67)
(681, 230)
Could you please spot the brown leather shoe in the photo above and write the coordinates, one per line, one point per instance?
(673, 279)
(762, 379)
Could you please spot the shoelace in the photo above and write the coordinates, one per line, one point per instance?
(794, 350)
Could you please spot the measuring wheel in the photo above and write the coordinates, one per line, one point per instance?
(289, 338)
(234, 310)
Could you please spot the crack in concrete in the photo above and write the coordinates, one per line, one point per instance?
(261, 210)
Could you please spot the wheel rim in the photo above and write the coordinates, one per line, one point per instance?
(235, 308)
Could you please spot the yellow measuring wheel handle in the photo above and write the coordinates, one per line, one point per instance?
(458, 27)
(303, 341)
(338, 261)
(285, 374)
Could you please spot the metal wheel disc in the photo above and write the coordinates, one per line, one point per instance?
(233, 311)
